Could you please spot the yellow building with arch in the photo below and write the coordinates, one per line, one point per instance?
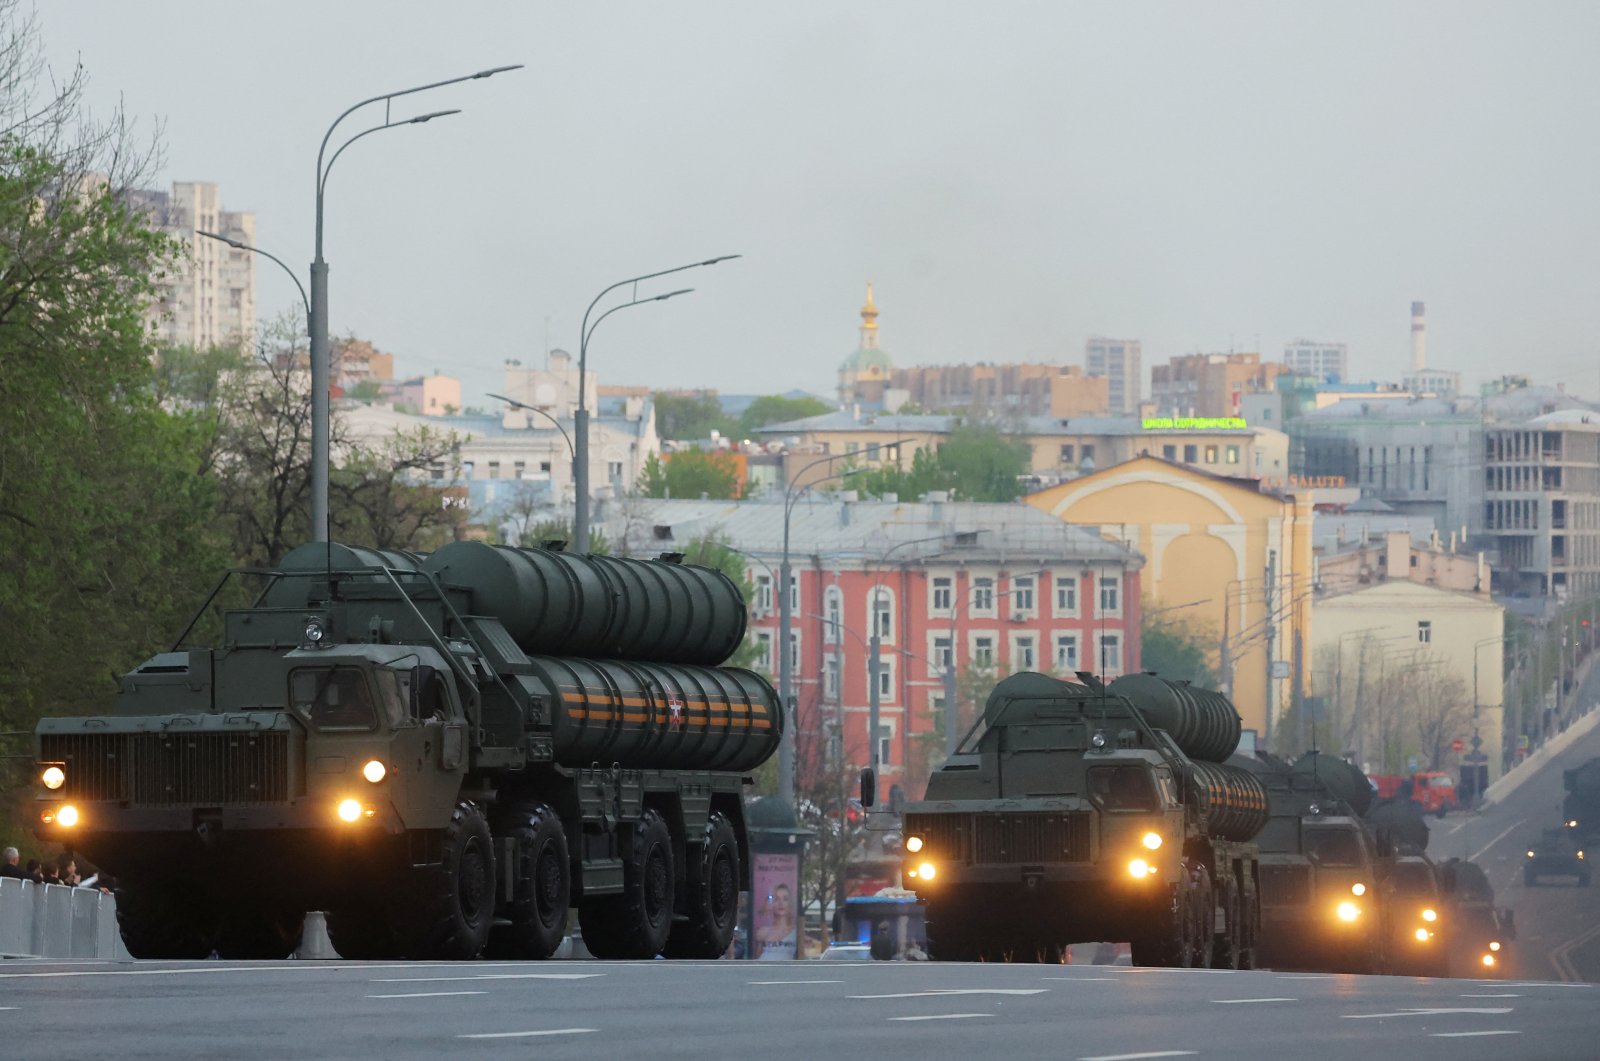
(1222, 556)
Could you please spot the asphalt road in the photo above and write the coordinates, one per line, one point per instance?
(806, 1009)
(1558, 923)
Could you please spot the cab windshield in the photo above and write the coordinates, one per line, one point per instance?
(1123, 788)
(1332, 847)
(333, 698)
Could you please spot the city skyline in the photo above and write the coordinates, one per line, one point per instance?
(1251, 177)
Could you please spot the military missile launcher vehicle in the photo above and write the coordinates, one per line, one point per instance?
(1580, 806)
(444, 752)
(1087, 812)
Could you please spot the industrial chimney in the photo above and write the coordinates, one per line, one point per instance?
(1419, 339)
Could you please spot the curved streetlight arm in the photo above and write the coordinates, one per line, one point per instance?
(584, 329)
(533, 409)
(239, 245)
(584, 340)
(322, 180)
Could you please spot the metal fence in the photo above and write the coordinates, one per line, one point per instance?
(54, 921)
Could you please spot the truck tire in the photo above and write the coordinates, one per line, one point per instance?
(160, 919)
(260, 932)
(1203, 912)
(451, 905)
(541, 888)
(1228, 950)
(1165, 944)
(712, 905)
(636, 923)
(362, 933)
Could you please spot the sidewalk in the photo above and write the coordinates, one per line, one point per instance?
(1541, 756)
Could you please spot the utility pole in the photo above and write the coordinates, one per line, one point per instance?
(872, 692)
(1269, 594)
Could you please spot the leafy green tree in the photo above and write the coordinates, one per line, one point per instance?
(106, 531)
(976, 462)
(691, 473)
(685, 416)
(776, 409)
(368, 390)
(1177, 650)
(561, 530)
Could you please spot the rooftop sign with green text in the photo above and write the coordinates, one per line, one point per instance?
(1194, 423)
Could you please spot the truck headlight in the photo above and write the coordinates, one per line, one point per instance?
(913, 844)
(1348, 911)
(1488, 961)
(1494, 945)
(374, 771)
(349, 810)
(1422, 935)
(1530, 854)
(927, 871)
(1430, 915)
(53, 777)
(1138, 869)
(1358, 888)
(1152, 841)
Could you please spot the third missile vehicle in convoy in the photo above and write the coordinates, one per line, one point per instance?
(1084, 812)
(444, 753)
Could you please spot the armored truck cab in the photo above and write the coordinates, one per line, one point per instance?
(1066, 817)
(390, 738)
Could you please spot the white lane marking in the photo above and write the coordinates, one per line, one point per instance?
(1091, 979)
(1547, 983)
(1467, 1035)
(201, 969)
(1139, 1057)
(1239, 1001)
(771, 983)
(1502, 994)
(1457, 826)
(1304, 976)
(945, 1016)
(430, 994)
(962, 991)
(1426, 1012)
(525, 1035)
(1497, 839)
(7, 1009)
(482, 976)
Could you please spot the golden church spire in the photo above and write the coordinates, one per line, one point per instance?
(869, 322)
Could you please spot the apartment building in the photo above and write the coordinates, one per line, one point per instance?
(1119, 361)
(1209, 384)
(1541, 499)
(208, 296)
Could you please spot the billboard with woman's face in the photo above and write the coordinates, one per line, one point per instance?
(776, 879)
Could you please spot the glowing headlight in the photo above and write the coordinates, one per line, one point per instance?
(1573, 824)
(1139, 869)
(349, 810)
(1495, 945)
(1099, 739)
(926, 871)
(1358, 888)
(53, 777)
(1429, 915)
(67, 815)
(314, 631)
(1530, 854)
(1348, 911)
(1152, 841)
(1488, 960)
(374, 771)
(913, 844)
(1580, 856)
(1422, 935)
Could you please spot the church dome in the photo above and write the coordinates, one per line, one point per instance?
(869, 359)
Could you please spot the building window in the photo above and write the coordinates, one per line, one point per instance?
(1066, 452)
(1066, 595)
(1425, 632)
(941, 653)
(1169, 452)
(1088, 452)
(1110, 655)
(1066, 654)
(885, 744)
(494, 469)
(519, 469)
(1233, 454)
(764, 650)
(466, 469)
(983, 650)
(983, 595)
(1191, 454)
(1110, 595)
(830, 678)
(794, 651)
(852, 447)
(880, 618)
(794, 592)
(1022, 594)
(942, 600)
(436, 471)
(1211, 454)
(872, 451)
(614, 470)
(763, 595)
(1024, 652)
(832, 614)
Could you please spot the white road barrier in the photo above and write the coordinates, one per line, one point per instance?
(54, 921)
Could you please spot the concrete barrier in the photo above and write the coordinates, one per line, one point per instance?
(54, 921)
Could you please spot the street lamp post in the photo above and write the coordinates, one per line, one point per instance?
(317, 310)
(874, 649)
(240, 245)
(534, 409)
(580, 418)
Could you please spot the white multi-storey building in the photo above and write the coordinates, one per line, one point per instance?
(1325, 362)
(1118, 360)
(208, 296)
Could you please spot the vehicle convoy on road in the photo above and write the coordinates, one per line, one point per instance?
(1076, 813)
(443, 752)
(1555, 853)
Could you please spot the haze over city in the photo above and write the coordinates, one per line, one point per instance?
(1012, 181)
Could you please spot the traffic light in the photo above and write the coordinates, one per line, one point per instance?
(854, 813)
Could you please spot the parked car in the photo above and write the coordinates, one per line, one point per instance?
(1556, 853)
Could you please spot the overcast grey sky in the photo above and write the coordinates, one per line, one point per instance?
(1012, 177)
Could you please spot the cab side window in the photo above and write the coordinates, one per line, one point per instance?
(1125, 788)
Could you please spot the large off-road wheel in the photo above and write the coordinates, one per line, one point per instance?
(447, 910)
(1203, 912)
(1228, 947)
(362, 932)
(1174, 938)
(259, 931)
(537, 908)
(636, 923)
(163, 919)
(712, 902)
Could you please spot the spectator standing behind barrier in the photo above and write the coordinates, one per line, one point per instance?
(32, 872)
(67, 871)
(8, 863)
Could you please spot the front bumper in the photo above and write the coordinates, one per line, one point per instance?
(101, 820)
